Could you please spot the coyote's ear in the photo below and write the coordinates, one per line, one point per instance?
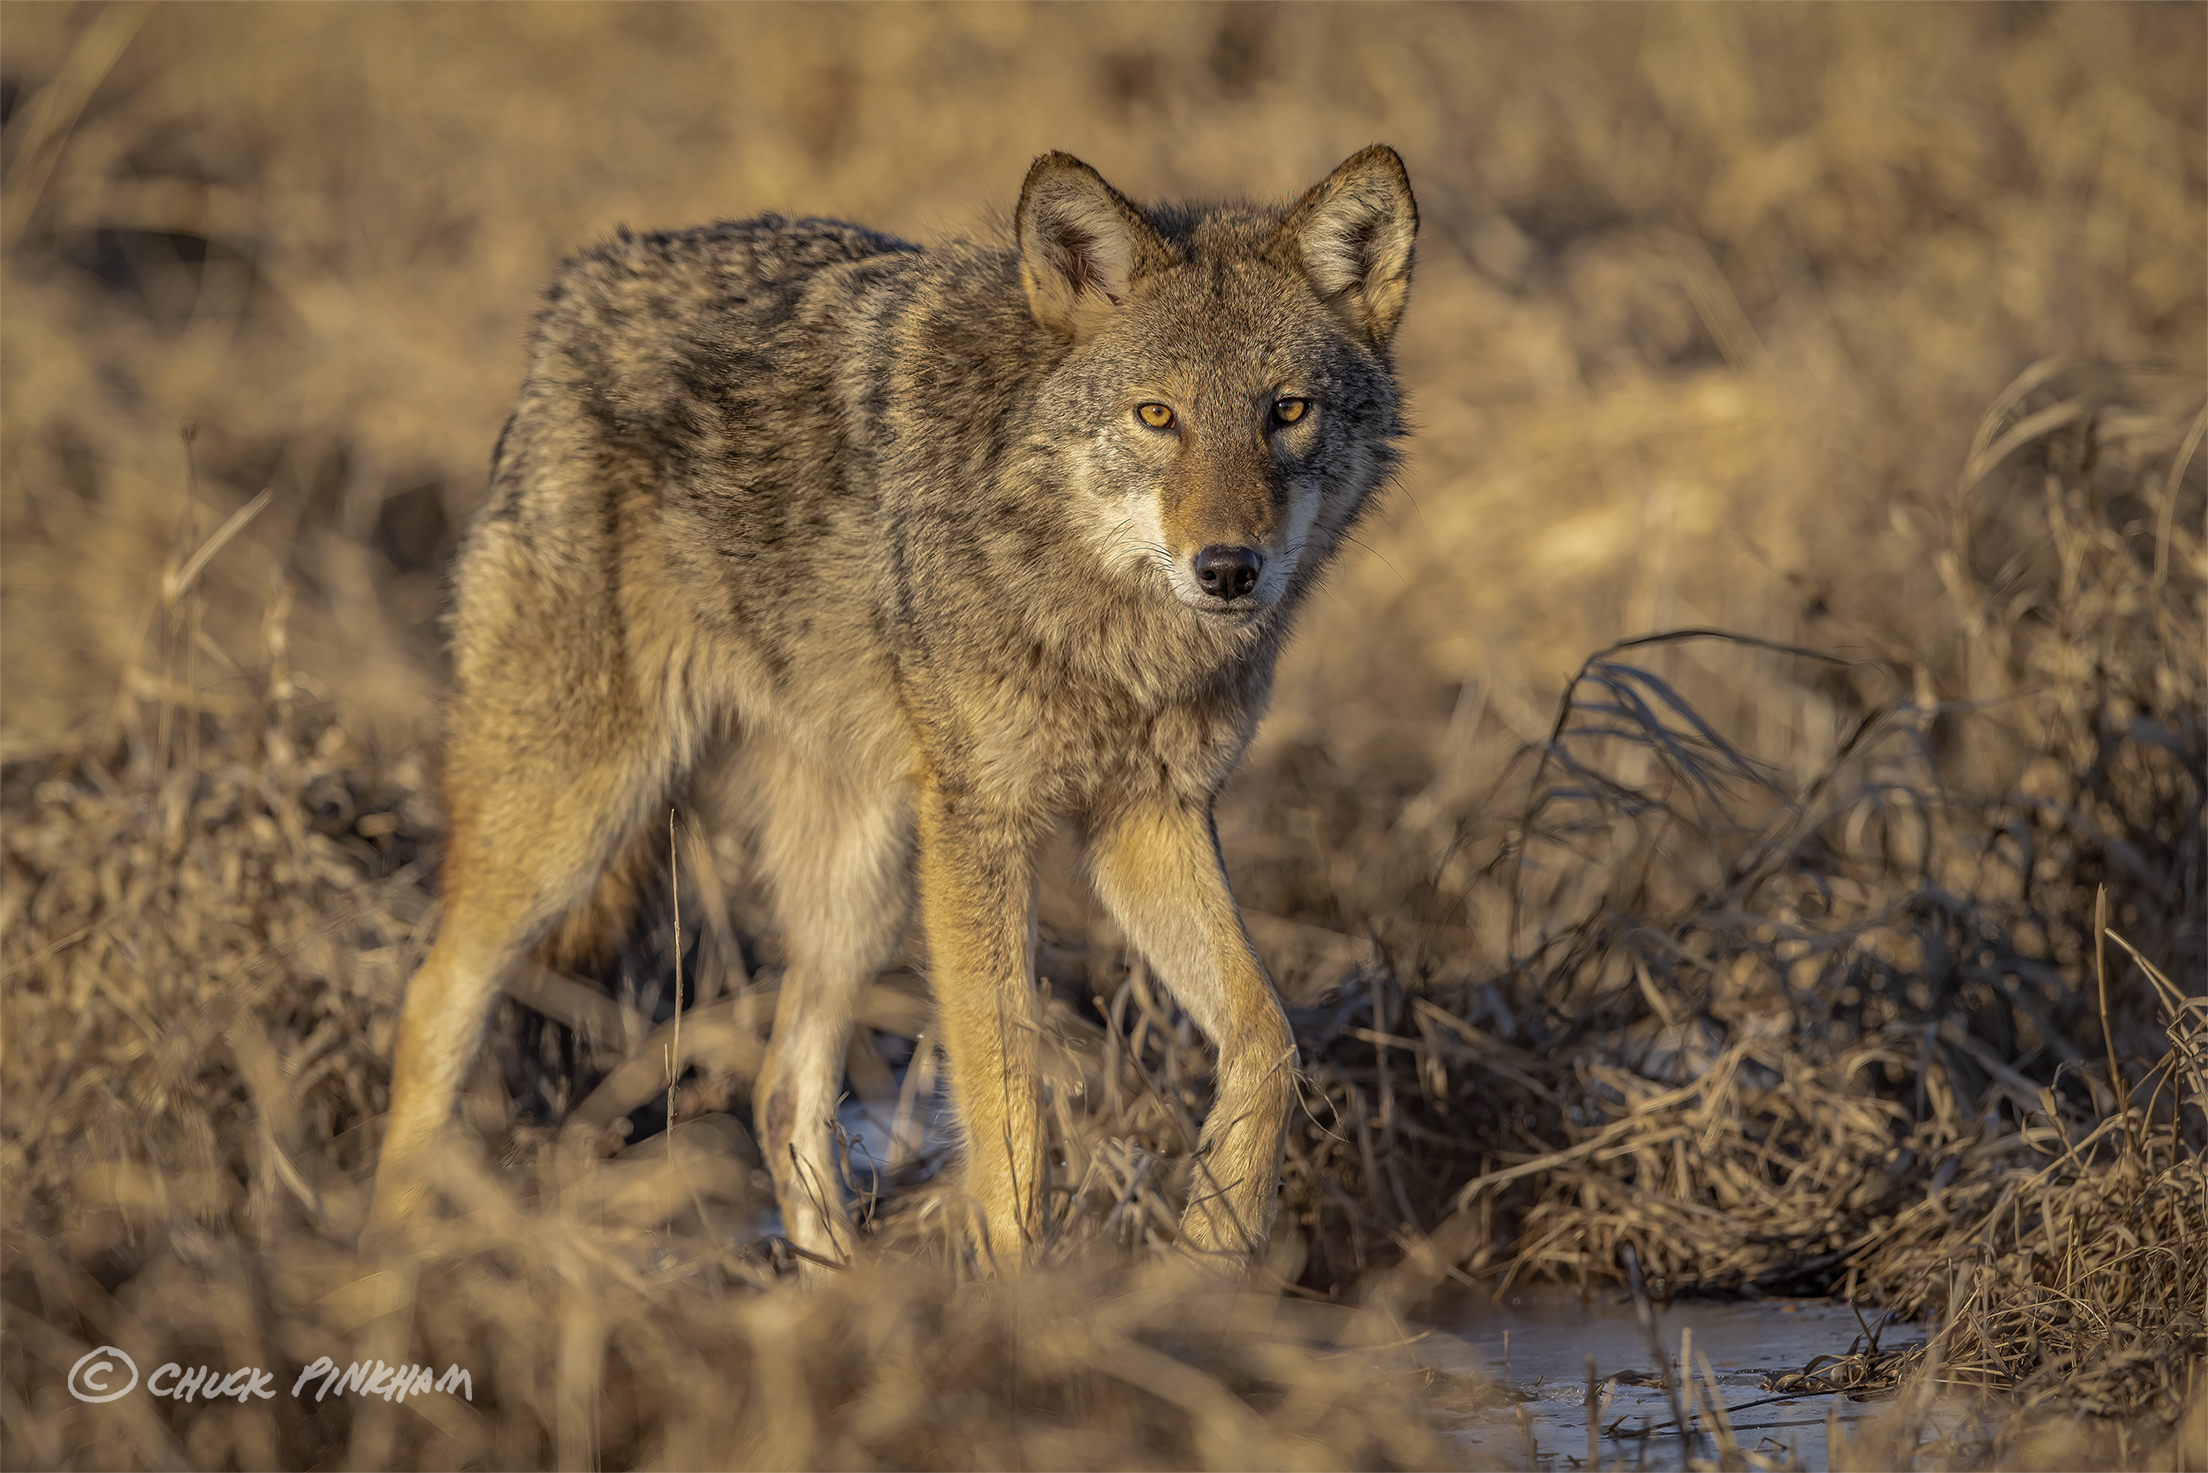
(1352, 235)
(1081, 244)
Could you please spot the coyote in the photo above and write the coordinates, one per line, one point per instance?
(947, 546)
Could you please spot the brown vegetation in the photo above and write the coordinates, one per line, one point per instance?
(1873, 335)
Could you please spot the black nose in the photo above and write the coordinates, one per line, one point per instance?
(1228, 572)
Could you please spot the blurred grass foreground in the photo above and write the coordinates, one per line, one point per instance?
(1853, 945)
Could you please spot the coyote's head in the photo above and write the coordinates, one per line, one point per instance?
(1228, 396)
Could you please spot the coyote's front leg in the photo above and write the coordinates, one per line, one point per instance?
(977, 901)
(1156, 861)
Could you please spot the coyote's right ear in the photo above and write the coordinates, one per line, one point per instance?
(1081, 245)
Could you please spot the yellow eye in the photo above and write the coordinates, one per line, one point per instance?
(1157, 416)
(1288, 411)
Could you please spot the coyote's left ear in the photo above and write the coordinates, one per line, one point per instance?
(1352, 234)
(1081, 245)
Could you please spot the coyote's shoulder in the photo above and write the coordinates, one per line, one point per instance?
(950, 545)
(658, 344)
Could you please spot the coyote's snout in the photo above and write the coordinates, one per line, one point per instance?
(940, 547)
(1229, 503)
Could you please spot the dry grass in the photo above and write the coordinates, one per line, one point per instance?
(1872, 336)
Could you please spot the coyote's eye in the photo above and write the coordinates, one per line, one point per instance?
(1288, 411)
(1157, 416)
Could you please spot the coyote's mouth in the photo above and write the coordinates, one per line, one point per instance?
(1225, 611)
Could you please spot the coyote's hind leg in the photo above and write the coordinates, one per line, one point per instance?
(501, 898)
(834, 847)
(540, 800)
(977, 896)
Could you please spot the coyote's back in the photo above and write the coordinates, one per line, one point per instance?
(947, 546)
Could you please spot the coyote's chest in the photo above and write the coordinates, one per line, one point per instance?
(1064, 742)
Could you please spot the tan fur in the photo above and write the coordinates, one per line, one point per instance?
(891, 522)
